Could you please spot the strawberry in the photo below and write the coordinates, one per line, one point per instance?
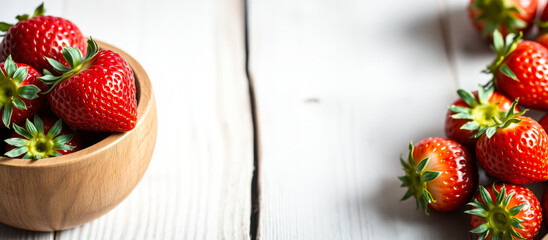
(507, 16)
(474, 111)
(505, 211)
(44, 138)
(37, 36)
(542, 37)
(19, 88)
(515, 150)
(520, 70)
(96, 93)
(440, 173)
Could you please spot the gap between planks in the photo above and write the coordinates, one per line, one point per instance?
(255, 184)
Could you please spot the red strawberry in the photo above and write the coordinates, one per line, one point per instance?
(508, 16)
(515, 150)
(509, 211)
(32, 39)
(44, 138)
(96, 93)
(474, 111)
(440, 173)
(520, 70)
(19, 87)
(542, 37)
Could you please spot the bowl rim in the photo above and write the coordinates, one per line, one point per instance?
(145, 96)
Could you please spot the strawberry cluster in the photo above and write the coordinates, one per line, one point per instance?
(486, 130)
(48, 68)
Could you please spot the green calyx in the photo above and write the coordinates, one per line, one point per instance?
(502, 47)
(38, 144)
(498, 219)
(498, 13)
(508, 119)
(11, 93)
(416, 179)
(480, 113)
(76, 61)
(4, 27)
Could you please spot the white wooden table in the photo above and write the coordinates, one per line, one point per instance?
(320, 96)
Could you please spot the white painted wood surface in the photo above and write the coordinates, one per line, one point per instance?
(341, 87)
(198, 185)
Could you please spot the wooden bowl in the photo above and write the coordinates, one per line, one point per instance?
(67, 191)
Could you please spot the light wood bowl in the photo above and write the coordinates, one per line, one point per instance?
(67, 191)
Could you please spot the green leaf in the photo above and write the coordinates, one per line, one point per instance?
(515, 234)
(407, 194)
(17, 152)
(17, 142)
(477, 212)
(500, 196)
(38, 123)
(422, 164)
(485, 196)
(20, 74)
(510, 121)
(39, 10)
(459, 109)
(467, 116)
(484, 235)
(477, 205)
(59, 67)
(484, 95)
(4, 27)
(498, 42)
(406, 181)
(63, 147)
(403, 164)
(73, 56)
(490, 131)
(28, 92)
(10, 67)
(22, 17)
(19, 104)
(507, 199)
(516, 223)
(496, 236)
(410, 157)
(480, 229)
(6, 114)
(31, 128)
(55, 129)
(65, 139)
(21, 131)
(430, 175)
(504, 69)
(470, 125)
(516, 210)
(507, 235)
(92, 49)
(467, 97)
(56, 154)
(510, 37)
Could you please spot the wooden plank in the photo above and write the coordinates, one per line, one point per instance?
(198, 184)
(342, 86)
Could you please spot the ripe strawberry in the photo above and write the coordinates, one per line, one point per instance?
(19, 87)
(474, 111)
(508, 16)
(520, 70)
(96, 93)
(44, 138)
(542, 36)
(509, 211)
(440, 173)
(32, 38)
(515, 150)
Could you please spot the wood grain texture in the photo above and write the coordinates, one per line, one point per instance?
(342, 86)
(70, 190)
(199, 180)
